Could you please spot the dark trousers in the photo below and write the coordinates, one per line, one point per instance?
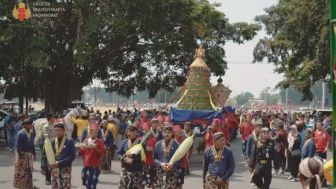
(321, 155)
(280, 161)
(4, 130)
(244, 147)
(262, 175)
(48, 175)
(293, 164)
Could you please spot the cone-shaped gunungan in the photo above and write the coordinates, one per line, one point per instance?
(197, 92)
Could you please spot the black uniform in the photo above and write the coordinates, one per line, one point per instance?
(263, 153)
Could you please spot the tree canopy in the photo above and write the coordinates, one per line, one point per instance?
(139, 45)
(243, 98)
(297, 42)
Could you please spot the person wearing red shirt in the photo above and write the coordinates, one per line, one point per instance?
(225, 129)
(144, 119)
(321, 139)
(246, 129)
(214, 128)
(233, 122)
(92, 152)
(150, 169)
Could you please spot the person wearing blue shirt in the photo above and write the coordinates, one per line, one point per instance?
(308, 149)
(300, 128)
(18, 124)
(252, 139)
(218, 164)
(163, 152)
(23, 175)
(10, 121)
(132, 165)
(122, 128)
(155, 129)
(64, 150)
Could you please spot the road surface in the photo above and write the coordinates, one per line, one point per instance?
(109, 181)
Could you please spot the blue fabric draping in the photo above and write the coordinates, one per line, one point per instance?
(180, 116)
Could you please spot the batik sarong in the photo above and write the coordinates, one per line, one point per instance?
(90, 177)
(150, 174)
(171, 179)
(23, 174)
(211, 183)
(62, 180)
(107, 159)
(130, 180)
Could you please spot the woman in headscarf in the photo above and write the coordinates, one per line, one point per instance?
(293, 152)
(311, 171)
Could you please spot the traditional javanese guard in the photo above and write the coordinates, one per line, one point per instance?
(150, 168)
(108, 139)
(251, 143)
(132, 166)
(48, 132)
(156, 129)
(262, 155)
(187, 132)
(25, 155)
(167, 173)
(179, 137)
(64, 150)
(218, 164)
(92, 152)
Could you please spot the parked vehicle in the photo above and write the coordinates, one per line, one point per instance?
(75, 104)
(36, 114)
(10, 106)
(3, 115)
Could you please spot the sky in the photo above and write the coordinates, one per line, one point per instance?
(241, 74)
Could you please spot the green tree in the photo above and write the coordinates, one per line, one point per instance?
(297, 42)
(139, 45)
(295, 97)
(21, 57)
(150, 44)
(243, 98)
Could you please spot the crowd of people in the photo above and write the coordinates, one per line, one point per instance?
(282, 143)
(270, 141)
(101, 138)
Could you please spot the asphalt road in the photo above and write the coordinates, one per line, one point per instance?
(110, 181)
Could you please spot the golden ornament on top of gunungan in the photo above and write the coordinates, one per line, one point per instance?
(198, 93)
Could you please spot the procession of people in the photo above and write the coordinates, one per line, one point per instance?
(282, 143)
(271, 144)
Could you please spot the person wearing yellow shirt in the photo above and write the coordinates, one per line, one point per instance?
(111, 126)
(114, 129)
(81, 124)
